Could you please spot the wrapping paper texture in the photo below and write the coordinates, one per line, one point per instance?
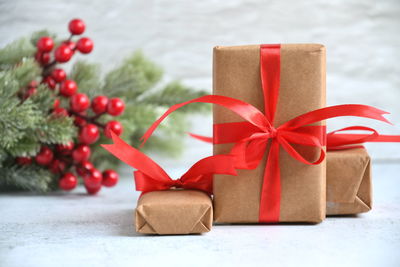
(348, 179)
(236, 73)
(174, 212)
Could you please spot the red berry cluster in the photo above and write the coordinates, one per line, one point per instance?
(72, 159)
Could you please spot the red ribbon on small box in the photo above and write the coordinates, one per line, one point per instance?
(252, 144)
(151, 177)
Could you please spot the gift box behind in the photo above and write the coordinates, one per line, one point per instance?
(236, 73)
(348, 178)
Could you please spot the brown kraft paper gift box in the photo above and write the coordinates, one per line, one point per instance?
(236, 73)
(174, 212)
(348, 181)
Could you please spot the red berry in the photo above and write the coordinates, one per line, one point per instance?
(110, 178)
(115, 106)
(68, 88)
(57, 166)
(84, 168)
(65, 149)
(45, 156)
(45, 44)
(60, 111)
(93, 178)
(84, 45)
(81, 153)
(71, 45)
(43, 58)
(51, 83)
(89, 134)
(33, 84)
(63, 53)
(56, 103)
(93, 190)
(23, 160)
(30, 92)
(59, 75)
(79, 121)
(79, 102)
(99, 104)
(113, 126)
(68, 181)
(76, 26)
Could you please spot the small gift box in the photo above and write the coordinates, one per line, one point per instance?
(348, 182)
(174, 212)
(168, 206)
(348, 175)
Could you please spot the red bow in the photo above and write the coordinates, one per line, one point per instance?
(151, 177)
(253, 140)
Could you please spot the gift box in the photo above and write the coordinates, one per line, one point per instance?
(348, 180)
(174, 212)
(270, 119)
(172, 206)
(236, 73)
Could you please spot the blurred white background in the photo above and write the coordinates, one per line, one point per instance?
(362, 39)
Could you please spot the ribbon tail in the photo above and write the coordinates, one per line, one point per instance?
(271, 188)
(136, 159)
(200, 175)
(243, 109)
(321, 114)
(218, 164)
(203, 138)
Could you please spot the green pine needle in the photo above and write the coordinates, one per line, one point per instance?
(25, 125)
(16, 51)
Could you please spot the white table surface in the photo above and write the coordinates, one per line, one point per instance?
(74, 229)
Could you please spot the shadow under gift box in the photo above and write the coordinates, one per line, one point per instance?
(174, 212)
(236, 73)
(348, 178)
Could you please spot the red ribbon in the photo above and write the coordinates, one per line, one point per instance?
(340, 141)
(252, 144)
(151, 177)
(225, 133)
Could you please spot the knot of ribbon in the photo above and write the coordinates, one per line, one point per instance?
(251, 142)
(149, 176)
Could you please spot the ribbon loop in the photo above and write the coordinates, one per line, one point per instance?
(151, 177)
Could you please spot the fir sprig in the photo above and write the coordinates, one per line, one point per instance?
(25, 124)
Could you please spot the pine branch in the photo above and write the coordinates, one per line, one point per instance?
(134, 76)
(43, 99)
(3, 157)
(15, 117)
(174, 93)
(14, 52)
(31, 177)
(25, 147)
(87, 76)
(56, 129)
(26, 71)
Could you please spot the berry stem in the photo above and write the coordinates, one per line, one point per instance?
(95, 117)
(48, 66)
(91, 120)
